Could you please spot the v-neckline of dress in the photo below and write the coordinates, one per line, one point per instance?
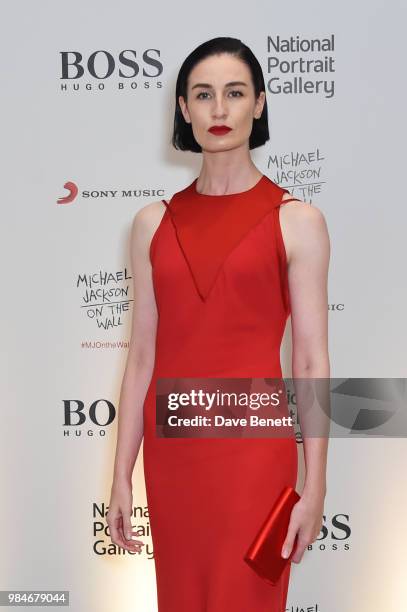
(207, 234)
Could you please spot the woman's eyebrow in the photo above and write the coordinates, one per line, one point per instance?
(230, 84)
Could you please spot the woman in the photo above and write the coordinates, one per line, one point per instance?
(217, 271)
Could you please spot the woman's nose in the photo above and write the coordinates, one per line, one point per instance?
(219, 107)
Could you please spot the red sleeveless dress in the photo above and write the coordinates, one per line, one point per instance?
(220, 281)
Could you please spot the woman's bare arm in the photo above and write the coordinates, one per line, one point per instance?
(308, 251)
(141, 354)
(307, 245)
(136, 378)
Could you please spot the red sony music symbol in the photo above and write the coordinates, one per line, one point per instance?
(73, 192)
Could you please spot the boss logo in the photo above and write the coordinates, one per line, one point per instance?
(338, 530)
(101, 412)
(102, 64)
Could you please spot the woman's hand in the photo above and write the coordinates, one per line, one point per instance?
(119, 517)
(306, 521)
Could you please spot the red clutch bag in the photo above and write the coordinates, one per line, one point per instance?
(264, 554)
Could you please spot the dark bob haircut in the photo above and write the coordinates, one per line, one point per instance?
(183, 138)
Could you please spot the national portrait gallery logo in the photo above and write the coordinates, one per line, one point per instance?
(300, 65)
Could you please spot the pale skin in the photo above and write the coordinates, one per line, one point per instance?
(227, 167)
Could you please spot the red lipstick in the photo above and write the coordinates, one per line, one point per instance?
(219, 130)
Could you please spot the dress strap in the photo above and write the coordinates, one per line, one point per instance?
(166, 203)
(290, 200)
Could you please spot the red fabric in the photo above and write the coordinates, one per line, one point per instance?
(220, 282)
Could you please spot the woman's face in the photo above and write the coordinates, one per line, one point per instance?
(220, 92)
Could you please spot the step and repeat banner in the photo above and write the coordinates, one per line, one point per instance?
(88, 103)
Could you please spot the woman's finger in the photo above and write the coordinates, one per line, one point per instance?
(117, 536)
(299, 550)
(127, 526)
(289, 540)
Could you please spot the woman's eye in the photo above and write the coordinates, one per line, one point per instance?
(233, 91)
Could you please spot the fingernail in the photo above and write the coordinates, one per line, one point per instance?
(284, 553)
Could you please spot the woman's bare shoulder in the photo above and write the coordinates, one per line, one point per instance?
(302, 224)
(150, 212)
(300, 213)
(147, 219)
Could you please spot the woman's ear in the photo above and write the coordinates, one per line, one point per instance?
(258, 109)
(184, 109)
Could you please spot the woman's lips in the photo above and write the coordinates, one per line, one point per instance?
(218, 130)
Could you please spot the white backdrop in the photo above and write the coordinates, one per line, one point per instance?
(67, 293)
